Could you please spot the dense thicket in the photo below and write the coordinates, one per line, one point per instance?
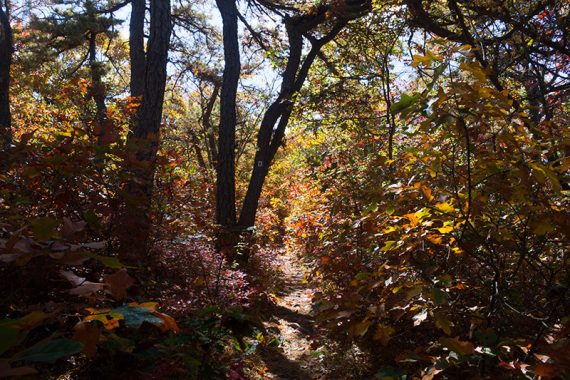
(159, 155)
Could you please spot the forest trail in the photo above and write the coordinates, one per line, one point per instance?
(291, 320)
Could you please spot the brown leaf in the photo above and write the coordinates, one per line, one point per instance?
(74, 258)
(70, 227)
(546, 370)
(31, 320)
(7, 371)
(383, 333)
(58, 246)
(11, 242)
(462, 347)
(9, 257)
(118, 283)
(88, 335)
(95, 244)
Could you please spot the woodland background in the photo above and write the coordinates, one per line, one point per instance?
(158, 156)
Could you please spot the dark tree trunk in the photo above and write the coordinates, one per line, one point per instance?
(143, 141)
(136, 47)
(225, 184)
(276, 118)
(209, 131)
(97, 91)
(6, 50)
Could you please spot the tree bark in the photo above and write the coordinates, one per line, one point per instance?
(6, 51)
(276, 118)
(225, 184)
(143, 141)
(97, 91)
(136, 47)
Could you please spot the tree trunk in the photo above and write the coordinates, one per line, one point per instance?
(97, 92)
(143, 141)
(6, 50)
(225, 184)
(276, 118)
(136, 47)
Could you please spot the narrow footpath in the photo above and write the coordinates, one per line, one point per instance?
(293, 323)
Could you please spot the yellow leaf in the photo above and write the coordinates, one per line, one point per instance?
(445, 229)
(149, 305)
(110, 320)
(435, 239)
(445, 207)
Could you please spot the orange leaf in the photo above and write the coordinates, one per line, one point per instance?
(546, 370)
(118, 283)
(169, 323)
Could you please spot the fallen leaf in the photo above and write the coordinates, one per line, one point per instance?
(383, 334)
(88, 335)
(87, 289)
(420, 317)
(462, 347)
(74, 279)
(169, 323)
(70, 227)
(7, 371)
(118, 283)
(95, 244)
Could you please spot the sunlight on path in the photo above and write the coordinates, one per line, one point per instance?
(294, 324)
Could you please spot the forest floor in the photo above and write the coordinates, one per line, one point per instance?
(290, 319)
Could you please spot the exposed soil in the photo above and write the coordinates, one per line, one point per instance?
(290, 319)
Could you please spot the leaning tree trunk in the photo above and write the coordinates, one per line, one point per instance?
(143, 141)
(6, 50)
(276, 118)
(225, 184)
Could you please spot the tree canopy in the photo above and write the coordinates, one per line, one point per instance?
(255, 189)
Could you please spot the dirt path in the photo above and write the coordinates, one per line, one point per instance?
(293, 323)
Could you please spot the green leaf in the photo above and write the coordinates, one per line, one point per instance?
(441, 322)
(44, 228)
(438, 296)
(487, 337)
(51, 350)
(390, 373)
(388, 245)
(406, 101)
(362, 275)
(8, 338)
(135, 316)
(109, 262)
(372, 207)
